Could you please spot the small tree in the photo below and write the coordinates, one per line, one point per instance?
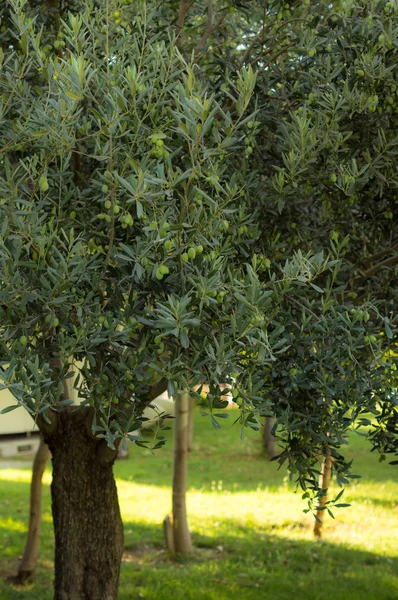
(118, 219)
(179, 539)
(322, 165)
(28, 564)
(132, 242)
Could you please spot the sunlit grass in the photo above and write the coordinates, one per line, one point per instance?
(251, 536)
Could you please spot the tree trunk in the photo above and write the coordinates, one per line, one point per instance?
(29, 560)
(191, 416)
(268, 438)
(326, 472)
(87, 523)
(181, 543)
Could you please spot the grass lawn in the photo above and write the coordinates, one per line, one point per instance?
(252, 539)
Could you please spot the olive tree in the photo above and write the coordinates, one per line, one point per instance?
(323, 168)
(124, 261)
(135, 258)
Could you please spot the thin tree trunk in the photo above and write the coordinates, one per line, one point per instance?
(268, 439)
(326, 472)
(87, 523)
(182, 536)
(180, 542)
(29, 560)
(191, 416)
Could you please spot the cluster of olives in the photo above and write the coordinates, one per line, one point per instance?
(159, 342)
(162, 229)
(191, 253)
(236, 397)
(126, 219)
(158, 147)
(43, 184)
(250, 139)
(361, 315)
(52, 320)
(161, 272)
(59, 43)
(285, 10)
(263, 262)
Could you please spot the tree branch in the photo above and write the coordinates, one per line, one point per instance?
(257, 38)
(209, 14)
(274, 56)
(248, 50)
(368, 261)
(157, 389)
(302, 306)
(210, 28)
(58, 364)
(261, 37)
(389, 262)
(182, 13)
(292, 21)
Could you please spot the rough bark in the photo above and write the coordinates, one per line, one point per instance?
(180, 542)
(29, 559)
(326, 472)
(87, 523)
(268, 438)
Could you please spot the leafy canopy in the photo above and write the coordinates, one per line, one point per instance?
(164, 222)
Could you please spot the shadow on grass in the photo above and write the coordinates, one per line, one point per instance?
(264, 567)
(260, 567)
(230, 561)
(255, 565)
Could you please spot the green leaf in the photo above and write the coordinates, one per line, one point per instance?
(184, 339)
(316, 288)
(73, 95)
(139, 208)
(215, 423)
(388, 331)
(9, 409)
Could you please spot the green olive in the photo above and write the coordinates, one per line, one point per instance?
(43, 183)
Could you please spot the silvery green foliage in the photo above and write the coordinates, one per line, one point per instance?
(324, 171)
(136, 240)
(124, 229)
